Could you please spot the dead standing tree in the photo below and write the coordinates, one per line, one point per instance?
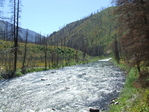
(16, 16)
(25, 52)
(45, 51)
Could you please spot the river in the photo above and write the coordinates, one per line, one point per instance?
(69, 89)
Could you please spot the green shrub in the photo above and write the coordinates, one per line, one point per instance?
(18, 73)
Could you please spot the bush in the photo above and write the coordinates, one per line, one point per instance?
(18, 74)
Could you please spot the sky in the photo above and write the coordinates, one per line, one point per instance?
(47, 16)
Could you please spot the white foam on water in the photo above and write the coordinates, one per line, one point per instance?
(105, 59)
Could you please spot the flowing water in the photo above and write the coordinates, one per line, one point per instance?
(69, 89)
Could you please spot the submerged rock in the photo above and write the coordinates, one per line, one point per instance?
(53, 72)
(43, 79)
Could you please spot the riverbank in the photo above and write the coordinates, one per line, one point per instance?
(132, 98)
(37, 69)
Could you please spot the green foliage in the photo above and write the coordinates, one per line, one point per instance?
(35, 69)
(18, 73)
(140, 103)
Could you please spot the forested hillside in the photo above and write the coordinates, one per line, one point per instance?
(92, 34)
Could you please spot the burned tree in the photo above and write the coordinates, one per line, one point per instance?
(134, 30)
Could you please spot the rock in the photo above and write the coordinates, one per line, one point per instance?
(53, 109)
(53, 72)
(114, 102)
(43, 79)
(48, 84)
(103, 109)
(93, 110)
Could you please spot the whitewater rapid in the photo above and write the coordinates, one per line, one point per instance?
(69, 89)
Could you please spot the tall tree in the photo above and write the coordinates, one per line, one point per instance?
(16, 15)
(25, 51)
(134, 30)
(45, 52)
(116, 50)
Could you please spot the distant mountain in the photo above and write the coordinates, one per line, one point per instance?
(93, 34)
(6, 32)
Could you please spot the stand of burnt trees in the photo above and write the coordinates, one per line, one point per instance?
(15, 32)
(13, 52)
(133, 31)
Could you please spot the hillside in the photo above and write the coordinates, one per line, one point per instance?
(32, 56)
(92, 34)
(6, 30)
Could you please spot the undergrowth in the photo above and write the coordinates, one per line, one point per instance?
(20, 72)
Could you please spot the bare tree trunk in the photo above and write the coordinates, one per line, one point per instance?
(116, 50)
(16, 32)
(45, 52)
(25, 50)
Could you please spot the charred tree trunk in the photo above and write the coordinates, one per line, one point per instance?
(16, 32)
(116, 50)
(25, 51)
(45, 53)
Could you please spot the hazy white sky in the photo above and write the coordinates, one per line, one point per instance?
(47, 16)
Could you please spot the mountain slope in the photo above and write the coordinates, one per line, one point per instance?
(91, 35)
(6, 30)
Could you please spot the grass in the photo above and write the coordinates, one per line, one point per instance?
(72, 62)
(131, 99)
